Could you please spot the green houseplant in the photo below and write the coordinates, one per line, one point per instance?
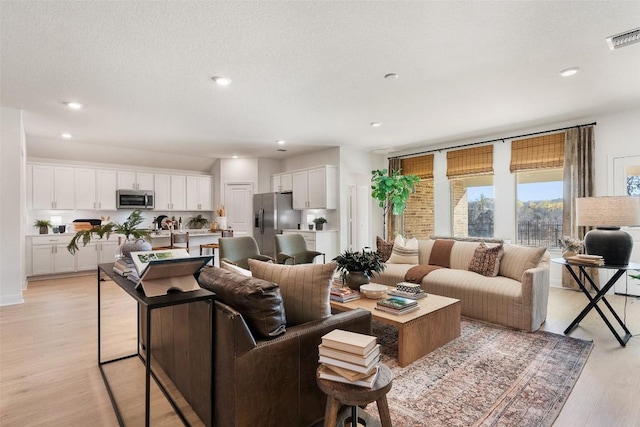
(319, 222)
(198, 221)
(136, 239)
(357, 268)
(392, 191)
(43, 225)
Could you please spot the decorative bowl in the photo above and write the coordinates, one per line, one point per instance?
(373, 290)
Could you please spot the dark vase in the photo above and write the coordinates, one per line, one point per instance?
(357, 278)
(319, 226)
(44, 229)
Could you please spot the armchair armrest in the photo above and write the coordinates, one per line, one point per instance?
(283, 258)
(261, 257)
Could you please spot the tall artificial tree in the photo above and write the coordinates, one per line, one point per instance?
(392, 190)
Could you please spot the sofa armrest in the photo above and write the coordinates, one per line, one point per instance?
(535, 293)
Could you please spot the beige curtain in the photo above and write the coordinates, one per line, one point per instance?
(578, 182)
(395, 223)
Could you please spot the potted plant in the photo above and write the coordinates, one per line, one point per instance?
(136, 239)
(319, 222)
(43, 225)
(198, 221)
(392, 191)
(357, 268)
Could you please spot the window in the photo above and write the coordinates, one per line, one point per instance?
(472, 206)
(539, 207)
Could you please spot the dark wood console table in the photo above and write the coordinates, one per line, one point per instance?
(600, 294)
(150, 304)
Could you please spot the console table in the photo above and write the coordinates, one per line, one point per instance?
(600, 294)
(150, 303)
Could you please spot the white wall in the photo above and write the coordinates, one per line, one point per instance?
(12, 208)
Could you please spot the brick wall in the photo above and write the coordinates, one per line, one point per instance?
(460, 208)
(418, 216)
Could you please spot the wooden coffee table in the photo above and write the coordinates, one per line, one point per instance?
(434, 324)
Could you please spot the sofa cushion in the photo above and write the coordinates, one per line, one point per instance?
(486, 260)
(517, 259)
(305, 288)
(384, 248)
(441, 253)
(404, 251)
(259, 301)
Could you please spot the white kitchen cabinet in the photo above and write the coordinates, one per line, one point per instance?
(107, 251)
(130, 180)
(315, 188)
(325, 241)
(170, 192)
(199, 193)
(95, 189)
(99, 252)
(282, 182)
(52, 187)
(49, 255)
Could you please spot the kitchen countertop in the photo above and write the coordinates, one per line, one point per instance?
(162, 233)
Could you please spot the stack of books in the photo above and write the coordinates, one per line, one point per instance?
(586, 259)
(341, 294)
(349, 357)
(397, 305)
(408, 290)
(123, 266)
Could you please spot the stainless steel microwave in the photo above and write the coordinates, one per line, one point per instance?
(135, 199)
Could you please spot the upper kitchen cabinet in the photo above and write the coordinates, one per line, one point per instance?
(129, 180)
(170, 192)
(315, 188)
(95, 189)
(199, 193)
(52, 187)
(282, 182)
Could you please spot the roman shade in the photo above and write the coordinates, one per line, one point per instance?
(540, 152)
(470, 161)
(421, 166)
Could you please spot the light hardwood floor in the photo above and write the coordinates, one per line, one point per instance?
(49, 374)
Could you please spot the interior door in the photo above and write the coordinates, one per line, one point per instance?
(238, 201)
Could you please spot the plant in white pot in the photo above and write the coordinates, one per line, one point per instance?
(136, 239)
(357, 268)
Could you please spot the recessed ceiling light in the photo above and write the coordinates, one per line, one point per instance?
(66, 135)
(73, 105)
(234, 157)
(221, 81)
(569, 71)
(280, 142)
(391, 76)
(376, 124)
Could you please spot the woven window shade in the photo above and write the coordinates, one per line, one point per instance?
(537, 153)
(421, 166)
(470, 161)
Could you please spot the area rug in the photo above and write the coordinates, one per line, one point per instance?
(489, 376)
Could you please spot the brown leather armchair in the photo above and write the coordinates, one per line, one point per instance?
(258, 381)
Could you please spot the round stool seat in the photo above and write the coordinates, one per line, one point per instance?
(346, 394)
(212, 246)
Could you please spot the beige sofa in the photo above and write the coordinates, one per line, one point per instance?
(517, 297)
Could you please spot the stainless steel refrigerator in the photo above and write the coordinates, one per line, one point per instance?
(273, 212)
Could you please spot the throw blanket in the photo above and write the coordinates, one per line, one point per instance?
(416, 273)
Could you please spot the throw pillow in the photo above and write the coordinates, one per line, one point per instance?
(517, 259)
(305, 288)
(384, 248)
(441, 253)
(259, 301)
(234, 268)
(404, 251)
(486, 260)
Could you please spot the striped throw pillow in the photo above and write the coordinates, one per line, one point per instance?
(404, 251)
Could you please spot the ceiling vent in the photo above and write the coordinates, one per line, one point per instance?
(624, 39)
(282, 150)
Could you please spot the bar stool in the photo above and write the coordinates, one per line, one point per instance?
(354, 396)
(212, 246)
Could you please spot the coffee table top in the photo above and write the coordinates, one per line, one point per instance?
(427, 305)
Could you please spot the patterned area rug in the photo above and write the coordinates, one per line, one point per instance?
(490, 376)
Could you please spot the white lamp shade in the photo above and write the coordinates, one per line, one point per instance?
(608, 211)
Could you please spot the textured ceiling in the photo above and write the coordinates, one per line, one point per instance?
(311, 73)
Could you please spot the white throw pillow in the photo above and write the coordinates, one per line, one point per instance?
(404, 251)
(235, 269)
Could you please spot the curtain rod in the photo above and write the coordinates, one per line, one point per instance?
(490, 140)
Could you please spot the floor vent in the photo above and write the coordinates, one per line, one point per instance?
(624, 39)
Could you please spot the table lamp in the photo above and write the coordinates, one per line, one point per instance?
(608, 214)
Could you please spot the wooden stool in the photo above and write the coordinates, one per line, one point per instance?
(347, 394)
(212, 246)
